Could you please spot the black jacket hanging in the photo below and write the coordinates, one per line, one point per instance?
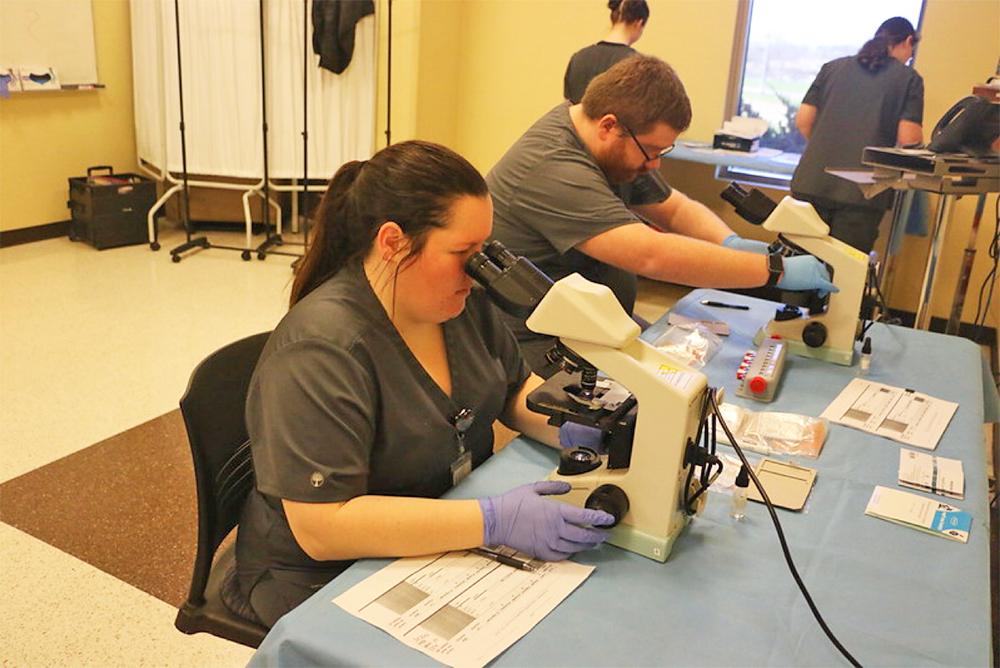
(333, 30)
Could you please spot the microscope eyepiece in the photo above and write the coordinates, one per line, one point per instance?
(512, 282)
(752, 205)
(497, 252)
(481, 268)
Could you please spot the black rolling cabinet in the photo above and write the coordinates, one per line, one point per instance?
(108, 209)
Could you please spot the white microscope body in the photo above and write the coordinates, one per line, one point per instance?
(830, 335)
(590, 321)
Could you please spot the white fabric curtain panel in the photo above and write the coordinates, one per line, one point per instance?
(341, 106)
(147, 80)
(220, 50)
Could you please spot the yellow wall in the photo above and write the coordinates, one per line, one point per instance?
(405, 72)
(960, 47)
(513, 56)
(502, 68)
(474, 74)
(48, 137)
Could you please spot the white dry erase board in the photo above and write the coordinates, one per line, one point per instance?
(54, 33)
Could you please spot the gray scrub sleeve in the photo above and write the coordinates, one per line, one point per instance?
(814, 96)
(316, 448)
(913, 105)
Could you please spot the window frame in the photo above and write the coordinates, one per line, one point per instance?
(734, 91)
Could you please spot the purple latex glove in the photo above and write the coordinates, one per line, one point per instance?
(805, 272)
(546, 529)
(736, 242)
(573, 435)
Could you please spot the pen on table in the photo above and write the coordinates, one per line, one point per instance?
(709, 302)
(503, 559)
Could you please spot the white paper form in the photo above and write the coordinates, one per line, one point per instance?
(928, 473)
(460, 608)
(894, 412)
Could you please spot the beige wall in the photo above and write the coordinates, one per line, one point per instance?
(960, 47)
(47, 137)
(499, 96)
(405, 69)
(503, 64)
(474, 74)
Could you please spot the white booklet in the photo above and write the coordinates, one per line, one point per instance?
(460, 608)
(894, 412)
(919, 512)
(937, 475)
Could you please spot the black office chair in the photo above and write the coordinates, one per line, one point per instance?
(213, 407)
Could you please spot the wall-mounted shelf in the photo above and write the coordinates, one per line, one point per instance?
(62, 87)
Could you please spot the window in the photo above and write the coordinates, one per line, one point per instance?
(779, 48)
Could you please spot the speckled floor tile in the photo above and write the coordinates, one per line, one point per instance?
(60, 611)
(97, 348)
(126, 505)
(96, 342)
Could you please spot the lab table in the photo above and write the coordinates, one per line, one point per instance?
(891, 594)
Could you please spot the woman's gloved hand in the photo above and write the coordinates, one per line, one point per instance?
(528, 522)
(805, 272)
(574, 435)
(736, 242)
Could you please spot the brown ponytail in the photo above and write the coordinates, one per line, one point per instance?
(412, 183)
(875, 53)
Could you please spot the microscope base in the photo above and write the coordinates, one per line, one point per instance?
(653, 547)
(834, 355)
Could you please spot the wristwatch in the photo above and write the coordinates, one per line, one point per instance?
(775, 268)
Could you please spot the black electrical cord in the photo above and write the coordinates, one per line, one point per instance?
(703, 457)
(781, 535)
(871, 285)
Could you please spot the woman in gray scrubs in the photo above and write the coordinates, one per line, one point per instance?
(378, 390)
(870, 99)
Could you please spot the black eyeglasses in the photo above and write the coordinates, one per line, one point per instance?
(648, 157)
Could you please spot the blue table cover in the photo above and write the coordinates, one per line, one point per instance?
(892, 595)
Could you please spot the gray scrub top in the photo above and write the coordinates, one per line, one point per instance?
(339, 407)
(550, 195)
(855, 108)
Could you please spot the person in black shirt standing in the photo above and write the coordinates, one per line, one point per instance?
(868, 99)
(628, 20)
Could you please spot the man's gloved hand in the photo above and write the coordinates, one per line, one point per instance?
(736, 242)
(526, 521)
(574, 435)
(805, 272)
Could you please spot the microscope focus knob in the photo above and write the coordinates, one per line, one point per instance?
(611, 499)
(814, 334)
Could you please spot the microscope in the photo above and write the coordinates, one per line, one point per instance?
(823, 327)
(659, 441)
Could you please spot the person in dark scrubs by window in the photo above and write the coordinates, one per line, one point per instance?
(628, 20)
(378, 390)
(869, 99)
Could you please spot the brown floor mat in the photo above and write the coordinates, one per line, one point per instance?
(125, 505)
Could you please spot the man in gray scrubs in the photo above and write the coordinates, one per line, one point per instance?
(580, 192)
